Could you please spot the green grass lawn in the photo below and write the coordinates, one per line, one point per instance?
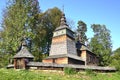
(11, 74)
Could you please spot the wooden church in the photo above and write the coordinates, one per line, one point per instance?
(64, 50)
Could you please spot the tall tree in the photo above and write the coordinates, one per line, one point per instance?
(19, 19)
(81, 30)
(50, 20)
(101, 43)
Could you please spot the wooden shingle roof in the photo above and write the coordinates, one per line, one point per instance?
(24, 53)
(65, 55)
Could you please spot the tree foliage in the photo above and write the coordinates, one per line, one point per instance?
(19, 20)
(101, 43)
(81, 30)
(22, 18)
(115, 59)
(50, 19)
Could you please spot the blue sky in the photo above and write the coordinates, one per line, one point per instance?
(90, 11)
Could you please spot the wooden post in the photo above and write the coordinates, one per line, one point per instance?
(15, 64)
(23, 64)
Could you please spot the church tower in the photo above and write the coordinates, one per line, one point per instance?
(63, 39)
(63, 50)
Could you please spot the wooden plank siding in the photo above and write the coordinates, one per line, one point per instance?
(61, 60)
(56, 60)
(83, 54)
(59, 39)
(19, 63)
(91, 59)
(74, 61)
(47, 60)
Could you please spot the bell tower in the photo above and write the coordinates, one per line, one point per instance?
(63, 39)
(63, 49)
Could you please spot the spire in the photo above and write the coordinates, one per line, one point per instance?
(63, 23)
(63, 20)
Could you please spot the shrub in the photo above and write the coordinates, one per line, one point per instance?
(90, 72)
(115, 59)
(68, 70)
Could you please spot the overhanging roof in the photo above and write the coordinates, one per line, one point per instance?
(65, 55)
(40, 64)
(24, 53)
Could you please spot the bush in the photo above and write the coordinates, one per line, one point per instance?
(90, 72)
(115, 59)
(68, 70)
(116, 63)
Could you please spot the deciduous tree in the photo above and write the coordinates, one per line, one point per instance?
(101, 43)
(50, 20)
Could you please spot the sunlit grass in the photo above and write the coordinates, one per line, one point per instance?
(12, 74)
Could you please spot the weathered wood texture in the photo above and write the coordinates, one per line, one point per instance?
(40, 65)
(61, 60)
(74, 61)
(65, 60)
(83, 54)
(56, 60)
(59, 45)
(19, 63)
(91, 59)
(15, 64)
(59, 39)
(47, 60)
(51, 66)
(62, 45)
